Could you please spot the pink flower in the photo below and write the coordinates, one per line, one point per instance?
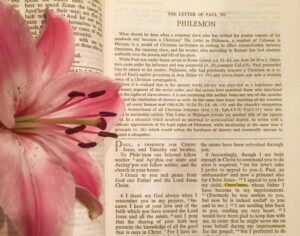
(48, 117)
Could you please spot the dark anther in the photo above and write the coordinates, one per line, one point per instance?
(96, 94)
(107, 114)
(102, 124)
(107, 134)
(87, 145)
(75, 129)
(74, 94)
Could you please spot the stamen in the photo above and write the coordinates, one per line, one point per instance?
(107, 134)
(76, 94)
(68, 103)
(25, 130)
(107, 114)
(82, 116)
(87, 145)
(68, 121)
(96, 94)
(102, 124)
(64, 105)
(75, 129)
(56, 129)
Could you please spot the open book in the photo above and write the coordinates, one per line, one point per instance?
(209, 142)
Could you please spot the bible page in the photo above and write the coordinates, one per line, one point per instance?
(209, 141)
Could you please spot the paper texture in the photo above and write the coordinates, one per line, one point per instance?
(208, 141)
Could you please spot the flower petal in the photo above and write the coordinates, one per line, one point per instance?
(19, 64)
(90, 202)
(83, 168)
(56, 93)
(56, 46)
(36, 192)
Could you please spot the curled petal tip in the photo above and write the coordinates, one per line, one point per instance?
(93, 214)
(90, 201)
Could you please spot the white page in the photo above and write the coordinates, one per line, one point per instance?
(208, 143)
